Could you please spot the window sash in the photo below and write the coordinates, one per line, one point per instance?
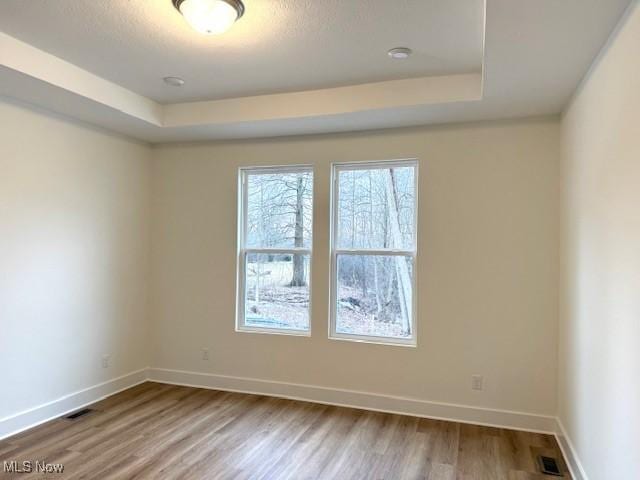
(335, 252)
(241, 325)
(244, 251)
(244, 200)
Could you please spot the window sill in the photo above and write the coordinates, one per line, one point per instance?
(274, 331)
(374, 341)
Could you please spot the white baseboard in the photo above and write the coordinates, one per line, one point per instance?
(364, 400)
(569, 452)
(32, 417)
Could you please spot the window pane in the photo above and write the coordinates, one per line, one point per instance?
(374, 295)
(277, 291)
(279, 211)
(376, 208)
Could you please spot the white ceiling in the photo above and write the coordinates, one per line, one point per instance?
(102, 62)
(277, 46)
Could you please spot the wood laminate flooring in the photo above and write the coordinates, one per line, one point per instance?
(156, 431)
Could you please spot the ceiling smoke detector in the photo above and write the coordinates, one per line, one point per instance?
(174, 81)
(211, 17)
(400, 53)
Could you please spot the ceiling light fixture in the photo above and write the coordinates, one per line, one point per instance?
(400, 53)
(174, 81)
(210, 17)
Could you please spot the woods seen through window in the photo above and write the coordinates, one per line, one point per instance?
(276, 208)
(373, 251)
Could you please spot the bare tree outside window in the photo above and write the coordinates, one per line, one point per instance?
(275, 251)
(373, 250)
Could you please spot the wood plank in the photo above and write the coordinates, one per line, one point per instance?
(155, 431)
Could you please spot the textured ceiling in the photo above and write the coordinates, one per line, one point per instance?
(535, 54)
(277, 46)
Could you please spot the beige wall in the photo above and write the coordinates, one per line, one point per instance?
(75, 241)
(600, 317)
(73, 256)
(487, 269)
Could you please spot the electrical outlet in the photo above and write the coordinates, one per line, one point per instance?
(205, 354)
(106, 360)
(477, 382)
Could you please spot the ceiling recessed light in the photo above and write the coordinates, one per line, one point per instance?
(174, 81)
(400, 53)
(210, 17)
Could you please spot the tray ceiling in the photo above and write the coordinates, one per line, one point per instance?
(293, 67)
(277, 46)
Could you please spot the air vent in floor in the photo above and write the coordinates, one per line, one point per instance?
(79, 413)
(549, 466)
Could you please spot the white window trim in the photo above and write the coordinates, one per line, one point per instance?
(334, 252)
(243, 200)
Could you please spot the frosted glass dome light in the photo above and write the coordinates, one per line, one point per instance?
(211, 17)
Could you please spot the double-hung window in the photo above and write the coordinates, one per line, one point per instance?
(274, 255)
(373, 252)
